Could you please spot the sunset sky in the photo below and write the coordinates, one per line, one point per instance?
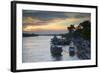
(51, 22)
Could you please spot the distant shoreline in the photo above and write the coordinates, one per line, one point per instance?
(33, 35)
(29, 35)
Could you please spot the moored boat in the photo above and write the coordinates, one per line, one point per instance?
(71, 51)
(56, 48)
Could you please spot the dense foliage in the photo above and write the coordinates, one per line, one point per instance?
(83, 30)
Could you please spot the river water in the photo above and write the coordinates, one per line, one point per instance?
(37, 49)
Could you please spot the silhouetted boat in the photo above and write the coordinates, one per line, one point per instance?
(65, 42)
(71, 51)
(56, 50)
(56, 47)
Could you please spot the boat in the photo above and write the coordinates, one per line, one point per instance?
(66, 42)
(56, 48)
(71, 51)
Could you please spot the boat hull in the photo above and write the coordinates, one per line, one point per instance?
(56, 51)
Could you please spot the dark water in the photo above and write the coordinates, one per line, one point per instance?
(37, 49)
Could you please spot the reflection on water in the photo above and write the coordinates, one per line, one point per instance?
(57, 58)
(37, 49)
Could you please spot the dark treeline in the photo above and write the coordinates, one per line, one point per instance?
(29, 35)
(33, 34)
(83, 30)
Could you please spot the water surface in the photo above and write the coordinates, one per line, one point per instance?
(37, 49)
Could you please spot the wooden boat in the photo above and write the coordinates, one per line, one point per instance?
(71, 51)
(56, 48)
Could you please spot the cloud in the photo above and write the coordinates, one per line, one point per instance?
(53, 24)
(43, 15)
(77, 15)
(34, 21)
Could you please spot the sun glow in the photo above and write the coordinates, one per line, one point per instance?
(45, 27)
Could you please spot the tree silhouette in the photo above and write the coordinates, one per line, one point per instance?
(71, 28)
(86, 31)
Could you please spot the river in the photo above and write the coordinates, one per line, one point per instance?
(37, 49)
